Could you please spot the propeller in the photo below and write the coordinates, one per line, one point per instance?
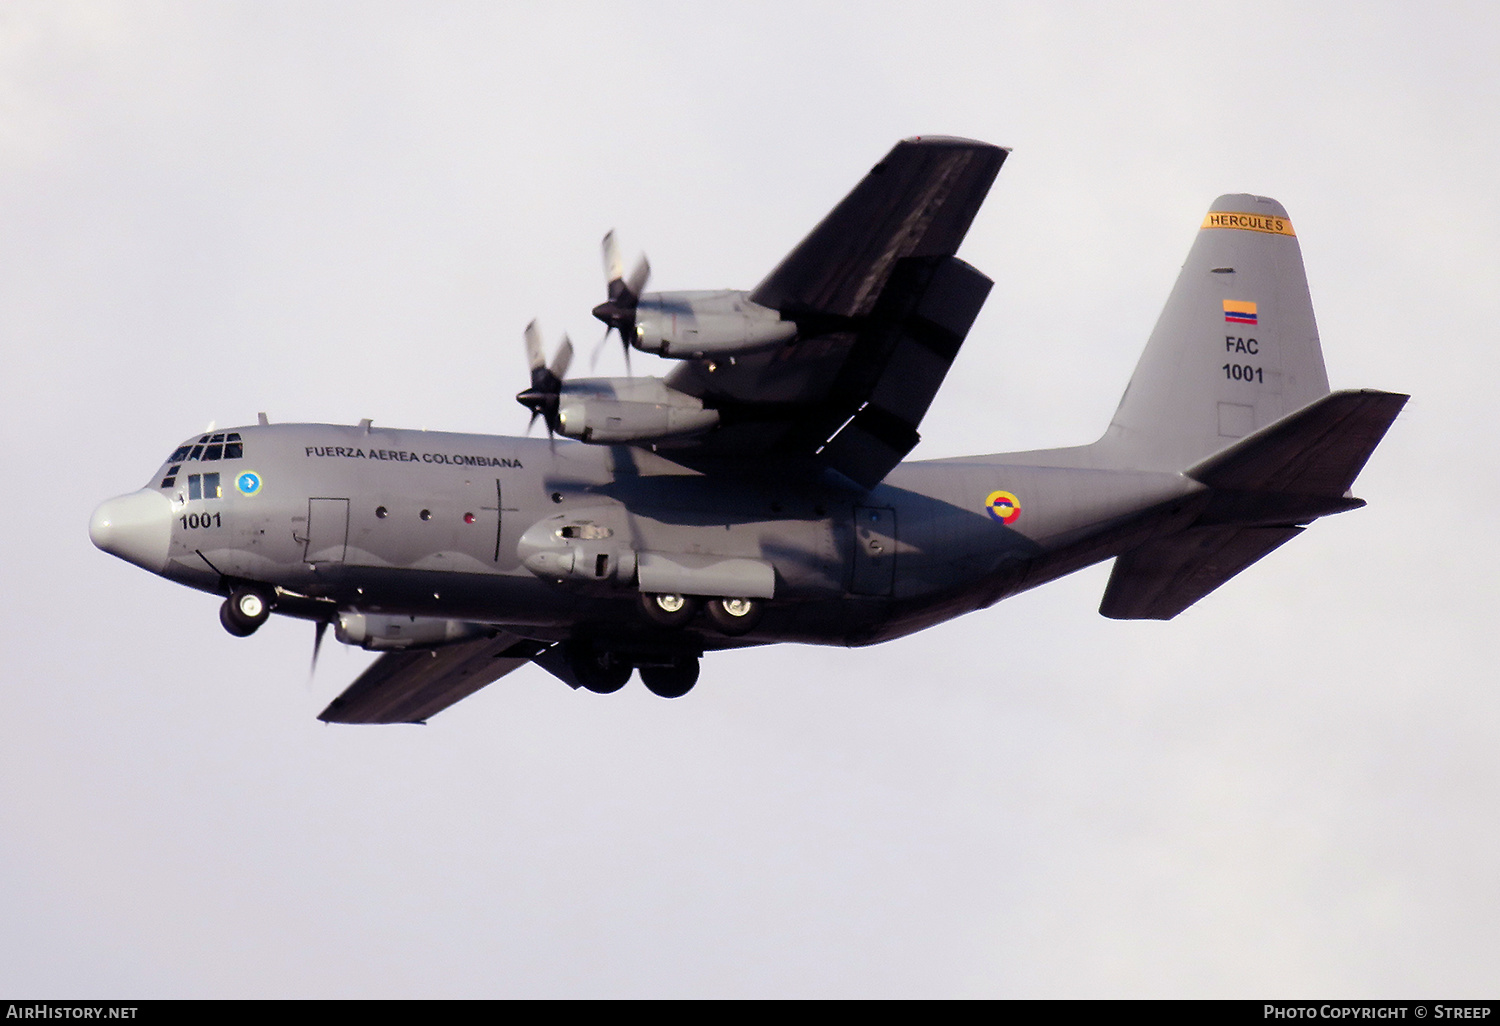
(546, 381)
(618, 311)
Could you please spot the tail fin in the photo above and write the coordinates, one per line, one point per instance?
(1235, 349)
(1231, 391)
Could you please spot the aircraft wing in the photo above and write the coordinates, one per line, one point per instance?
(882, 306)
(413, 686)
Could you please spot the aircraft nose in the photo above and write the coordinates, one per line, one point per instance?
(136, 527)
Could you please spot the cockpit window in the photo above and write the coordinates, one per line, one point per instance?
(204, 486)
(223, 446)
(226, 445)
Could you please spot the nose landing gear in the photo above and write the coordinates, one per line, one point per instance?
(244, 611)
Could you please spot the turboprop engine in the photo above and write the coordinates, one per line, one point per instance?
(385, 633)
(611, 410)
(690, 325)
(683, 325)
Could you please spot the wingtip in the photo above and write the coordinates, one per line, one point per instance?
(951, 140)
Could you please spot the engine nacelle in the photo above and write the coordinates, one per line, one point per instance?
(380, 632)
(684, 325)
(606, 411)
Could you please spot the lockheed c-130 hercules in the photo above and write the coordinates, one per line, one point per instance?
(757, 494)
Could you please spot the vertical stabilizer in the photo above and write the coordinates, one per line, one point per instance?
(1235, 349)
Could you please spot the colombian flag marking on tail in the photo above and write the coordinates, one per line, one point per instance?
(1003, 506)
(1240, 312)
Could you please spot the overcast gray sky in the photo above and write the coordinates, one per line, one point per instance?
(334, 211)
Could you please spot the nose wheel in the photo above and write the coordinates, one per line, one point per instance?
(244, 611)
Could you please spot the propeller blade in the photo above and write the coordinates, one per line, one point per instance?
(636, 284)
(534, 355)
(562, 359)
(318, 631)
(594, 356)
(614, 267)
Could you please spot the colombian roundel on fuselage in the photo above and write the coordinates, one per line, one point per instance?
(1003, 506)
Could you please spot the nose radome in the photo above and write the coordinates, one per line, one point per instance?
(136, 527)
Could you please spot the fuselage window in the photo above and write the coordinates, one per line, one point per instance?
(171, 478)
(180, 454)
(197, 451)
(195, 486)
(213, 452)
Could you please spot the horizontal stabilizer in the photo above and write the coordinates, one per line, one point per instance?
(1318, 450)
(1160, 579)
(410, 687)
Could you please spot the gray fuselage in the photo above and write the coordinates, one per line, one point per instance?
(472, 527)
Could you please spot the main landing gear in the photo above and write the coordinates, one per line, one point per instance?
(244, 611)
(673, 680)
(731, 616)
(604, 672)
(598, 670)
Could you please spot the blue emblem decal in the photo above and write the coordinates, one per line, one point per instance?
(248, 483)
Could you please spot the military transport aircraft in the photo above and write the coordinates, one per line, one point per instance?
(756, 493)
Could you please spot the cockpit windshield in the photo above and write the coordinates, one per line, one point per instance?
(225, 445)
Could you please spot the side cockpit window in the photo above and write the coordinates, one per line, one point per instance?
(204, 486)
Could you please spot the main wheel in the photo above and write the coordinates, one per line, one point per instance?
(671, 681)
(244, 611)
(597, 670)
(669, 610)
(735, 616)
